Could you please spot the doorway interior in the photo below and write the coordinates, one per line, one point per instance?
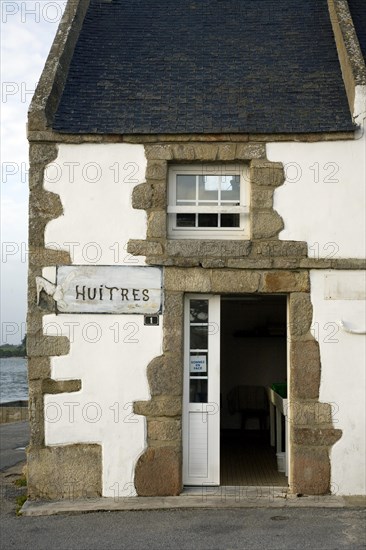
(253, 356)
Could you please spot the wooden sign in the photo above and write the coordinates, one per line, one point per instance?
(108, 289)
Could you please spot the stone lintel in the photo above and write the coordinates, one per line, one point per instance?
(285, 281)
(228, 281)
(190, 248)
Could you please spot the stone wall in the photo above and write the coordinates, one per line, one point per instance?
(311, 431)
(262, 265)
(49, 469)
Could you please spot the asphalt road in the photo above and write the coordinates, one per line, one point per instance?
(14, 437)
(190, 529)
(199, 529)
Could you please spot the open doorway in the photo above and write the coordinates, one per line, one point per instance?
(253, 357)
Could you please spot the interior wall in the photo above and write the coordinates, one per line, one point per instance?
(253, 348)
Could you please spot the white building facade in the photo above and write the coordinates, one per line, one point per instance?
(168, 270)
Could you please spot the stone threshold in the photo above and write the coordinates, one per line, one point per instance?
(212, 497)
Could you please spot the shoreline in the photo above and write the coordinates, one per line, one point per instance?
(14, 411)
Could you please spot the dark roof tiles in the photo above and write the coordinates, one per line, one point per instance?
(196, 66)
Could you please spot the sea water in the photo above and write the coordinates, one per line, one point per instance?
(13, 379)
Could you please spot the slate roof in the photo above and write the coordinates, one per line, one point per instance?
(358, 12)
(204, 66)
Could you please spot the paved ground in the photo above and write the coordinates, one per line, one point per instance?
(249, 528)
(190, 529)
(14, 437)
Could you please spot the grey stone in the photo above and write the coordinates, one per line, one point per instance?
(156, 224)
(187, 280)
(301, 314)
(316, 436)
(285, 281)
(183, 152)
(227, 151)
(158, 152)
(235, 281)
(304, 369)
(158, 472)
(144, 248)
(267, 173)
(68, 471)
(206, 151)
(265, 224)
(261, 196)
(60, 386)
(156, 169)
(164, 430)
(311, 470)
(159, 406)
(247, 151)
(142, 196)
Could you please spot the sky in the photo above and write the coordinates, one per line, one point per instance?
(27, 31)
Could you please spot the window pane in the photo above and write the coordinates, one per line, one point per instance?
(207, 220)
(208, 188)
(198, 391)
(199, 337)
(186, 220)
(230, 220)
(198, 310)
(230, 188)
(186, 187)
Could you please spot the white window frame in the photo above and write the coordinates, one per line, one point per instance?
(241, 232)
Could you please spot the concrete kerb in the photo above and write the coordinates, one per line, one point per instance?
(206, 498)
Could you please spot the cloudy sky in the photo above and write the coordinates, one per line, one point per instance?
(27, 31)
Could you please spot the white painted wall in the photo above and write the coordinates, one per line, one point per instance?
(322, 200)
(95, 183)
(112, 373)
(343, 382)
(109, 353)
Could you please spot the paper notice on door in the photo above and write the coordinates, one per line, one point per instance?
(198, 364)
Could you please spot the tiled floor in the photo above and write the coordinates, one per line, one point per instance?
(248, 459)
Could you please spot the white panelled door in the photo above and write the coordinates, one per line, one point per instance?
(201, 403)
